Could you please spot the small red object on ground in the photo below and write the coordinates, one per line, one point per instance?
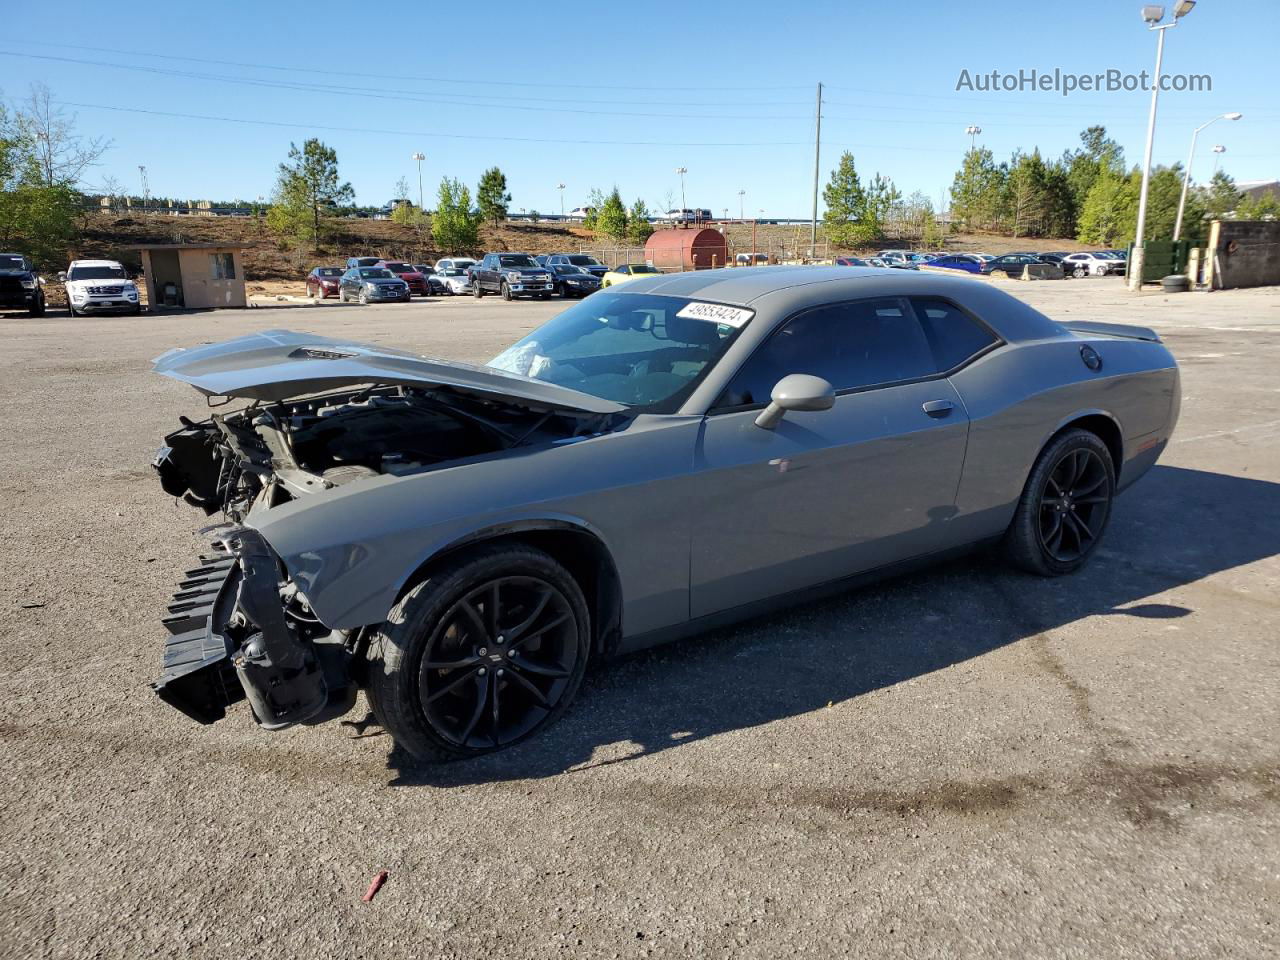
(379, 879)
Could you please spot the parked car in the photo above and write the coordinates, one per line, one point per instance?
(1087, 265)
(580, 213)
(435, 283)
(586, 262)
(571, 281)
(965, 262)
(20, 285)
(461, 541)
(627, 271)
(851, 262)
(1011, 264)
(100, 286)
(415, 279)
(371, 285)
(363, 262)
(685, 215)
(454, 274)
(751, 259)
(511, 275)
(324, 282)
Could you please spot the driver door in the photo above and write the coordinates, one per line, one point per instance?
(831, 493)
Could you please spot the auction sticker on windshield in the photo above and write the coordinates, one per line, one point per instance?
(716, 313)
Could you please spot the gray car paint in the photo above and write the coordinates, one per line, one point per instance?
(693, 509)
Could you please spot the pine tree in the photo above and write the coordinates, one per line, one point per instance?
(845, 202)
(492, 197)
(1025, 194)
(612, 217)
(1221, 196)
(639, 228)
(977, 190)
(307, 188)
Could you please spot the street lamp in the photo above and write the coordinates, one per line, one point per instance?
(741, 194)
(682, 171)
(973, 130)
(1186, 174)
(560, 187)
(1218, 150)
(1152, 14)
(419, 157)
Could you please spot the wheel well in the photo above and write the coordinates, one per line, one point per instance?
(1106, 430)
(581, 553)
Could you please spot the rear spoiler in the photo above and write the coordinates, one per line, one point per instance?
(1122, 330)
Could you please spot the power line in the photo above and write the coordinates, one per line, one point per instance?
(426, 134)
(470, 81)
(372, 94)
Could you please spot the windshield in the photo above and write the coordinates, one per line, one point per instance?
(365, 261)
(399, 268)
(98, 273)
(582, 260)
(450, 272)
(329, 272)
(10, 263)
(641, 350)
(518, 260)
(565, 268)
(375, 273)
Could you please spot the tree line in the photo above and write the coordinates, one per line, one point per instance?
(1087, 193)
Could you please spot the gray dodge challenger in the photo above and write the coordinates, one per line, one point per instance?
(662, 457)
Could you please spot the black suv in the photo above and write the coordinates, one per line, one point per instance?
(20, 285)
(512, 275)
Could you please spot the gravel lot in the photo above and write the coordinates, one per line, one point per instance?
(964, 762)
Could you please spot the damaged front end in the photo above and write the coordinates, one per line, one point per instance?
(240, 629)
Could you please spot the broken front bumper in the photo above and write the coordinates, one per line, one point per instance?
(230, 639)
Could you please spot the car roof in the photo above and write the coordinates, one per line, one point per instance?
(94, 263)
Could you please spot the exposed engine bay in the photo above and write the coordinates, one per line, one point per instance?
(268, 454)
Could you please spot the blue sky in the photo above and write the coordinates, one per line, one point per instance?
(725, 90)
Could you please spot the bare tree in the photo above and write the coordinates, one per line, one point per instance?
(58, 154)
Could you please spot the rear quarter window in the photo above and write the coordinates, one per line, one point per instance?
(954, 336)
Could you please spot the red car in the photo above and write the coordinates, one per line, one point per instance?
(417, 281)
(322, 282)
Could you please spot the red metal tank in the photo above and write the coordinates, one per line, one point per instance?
(686, 249)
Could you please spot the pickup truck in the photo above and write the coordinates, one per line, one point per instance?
(20, 287)
(512, 275)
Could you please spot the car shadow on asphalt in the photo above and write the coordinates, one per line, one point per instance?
(1174, 527)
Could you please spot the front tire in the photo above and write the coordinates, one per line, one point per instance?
(482, 654)
(506, 291)
(364, 298)
(1065, 506)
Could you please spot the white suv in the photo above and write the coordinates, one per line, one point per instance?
(100, 286)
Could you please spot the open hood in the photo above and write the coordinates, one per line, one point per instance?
(279, 364)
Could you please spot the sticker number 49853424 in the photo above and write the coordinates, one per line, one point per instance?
(716, 313)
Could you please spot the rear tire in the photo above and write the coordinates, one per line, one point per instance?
(1065, 506)
(433, 689)
(475, 289)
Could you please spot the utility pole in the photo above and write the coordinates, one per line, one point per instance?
(817, 154)
(682, 171)
(146, 188)
(741, 194)
(419, 157)
(560, 187)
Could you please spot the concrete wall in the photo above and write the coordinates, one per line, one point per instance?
(1243, 253)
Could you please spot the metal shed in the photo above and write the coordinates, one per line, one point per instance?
(687, 249)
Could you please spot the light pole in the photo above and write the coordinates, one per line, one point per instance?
(1152, 14)
(973, 130)
(560, 187)
(1218, 150)
(682, 171)
(419, 157)
(1186, 175)
(741, 194)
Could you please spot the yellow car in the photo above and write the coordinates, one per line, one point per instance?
(627, 272)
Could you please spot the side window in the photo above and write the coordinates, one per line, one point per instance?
(850, 345)
(953, 335)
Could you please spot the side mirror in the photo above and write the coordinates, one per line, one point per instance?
(62, 276)
(797, 391)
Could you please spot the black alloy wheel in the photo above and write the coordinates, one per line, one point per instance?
(1073, 504)
(497, 663)
(1065, 506)
(480, 655)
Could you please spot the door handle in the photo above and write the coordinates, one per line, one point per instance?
(937, 408)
